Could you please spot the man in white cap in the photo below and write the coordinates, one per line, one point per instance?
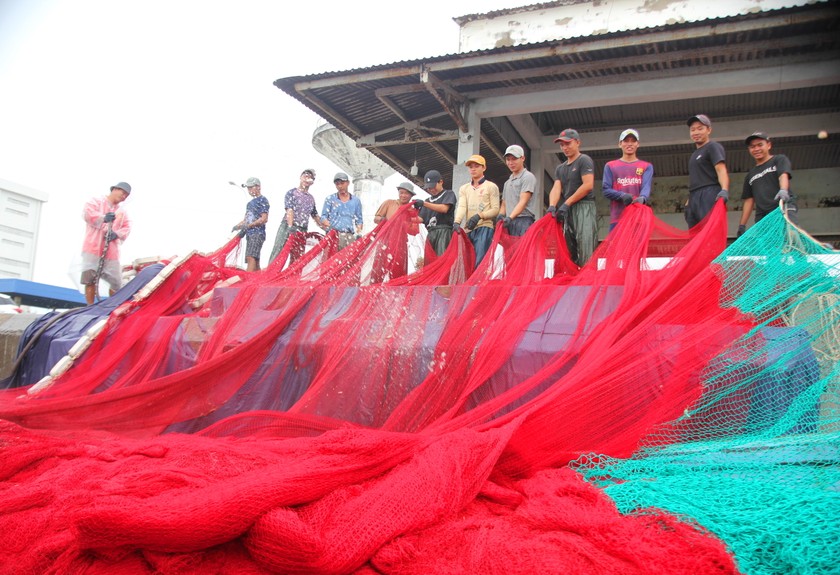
(107, 226)
(572, 201)
(343, 212)
(708, 179)
(626, 180)
(519, 201)
(252, 225)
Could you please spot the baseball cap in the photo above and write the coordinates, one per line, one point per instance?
(251, 182)
(756, 136)
(408, 187)
(309, 171)
(702, 118)
(515, 151)
(431, 179)
(124, 186)
(341, 176)
(476, 159)
(628, 132)
(567, 135)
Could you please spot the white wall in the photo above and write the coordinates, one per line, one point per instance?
(20, 216)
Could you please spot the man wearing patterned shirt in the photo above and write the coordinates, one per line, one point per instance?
(300, 206)
(628, 179)
(253, 225)
(342, 212)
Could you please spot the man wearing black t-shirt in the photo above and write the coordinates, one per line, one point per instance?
(708, 179)
(767, 183)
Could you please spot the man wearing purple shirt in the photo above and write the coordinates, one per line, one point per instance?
(300, 206)
(628, 179)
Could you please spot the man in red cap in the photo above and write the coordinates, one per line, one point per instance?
(572, 200)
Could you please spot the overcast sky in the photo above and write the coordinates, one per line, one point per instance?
(176, 98)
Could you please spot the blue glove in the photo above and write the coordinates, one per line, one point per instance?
(506, 221)
(241, 234)
(109, 217)
(417, 204)
(722, 195)
(562, 213)
(741, 230)
(782, 196)
(236, 227)
(455, 227)
(551, 210)
(473, 221)
(111, 236)
(626, 199)
(640, 200)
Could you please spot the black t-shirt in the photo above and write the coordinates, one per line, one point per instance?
(762, 184)
(571, 177)
(701, 165)
(432, 218)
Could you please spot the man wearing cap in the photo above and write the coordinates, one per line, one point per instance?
(405, 192)
(342, 212)
(300, 206)
(572, 200)
(519, 203)
(478, 202)
(708, 179)
(107, 226)
(437, 212)
(628, 179)
(767, 183)
(253, 225)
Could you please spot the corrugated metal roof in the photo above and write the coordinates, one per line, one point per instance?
(389, 102)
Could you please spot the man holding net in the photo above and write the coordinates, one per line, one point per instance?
(107, 226)
(437, 212)
(767, 183)
(300, 206)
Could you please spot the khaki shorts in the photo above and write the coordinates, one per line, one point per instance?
(111, 271)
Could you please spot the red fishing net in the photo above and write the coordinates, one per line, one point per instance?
(332, 414)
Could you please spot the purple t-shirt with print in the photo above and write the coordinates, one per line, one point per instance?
(303, 205)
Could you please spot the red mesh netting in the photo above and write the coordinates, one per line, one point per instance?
(332, 414)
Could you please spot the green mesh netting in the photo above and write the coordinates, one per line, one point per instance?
(757, 459)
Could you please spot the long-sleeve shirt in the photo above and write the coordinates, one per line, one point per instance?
(482, 199)
(620, 177)
(94, 214)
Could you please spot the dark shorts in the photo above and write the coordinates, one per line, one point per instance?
(253, 245)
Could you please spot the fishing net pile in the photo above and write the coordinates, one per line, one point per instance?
(672, 407)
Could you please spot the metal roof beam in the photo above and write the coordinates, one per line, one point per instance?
(454, 103)
(555, 97)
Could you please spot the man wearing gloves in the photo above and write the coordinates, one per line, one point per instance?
(107, 226)
(767, 183)
(708, 179)
(628, 179)
(478, 202)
